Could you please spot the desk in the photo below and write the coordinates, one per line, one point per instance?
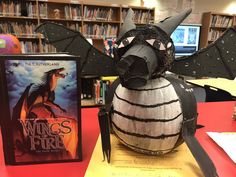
(216, 116)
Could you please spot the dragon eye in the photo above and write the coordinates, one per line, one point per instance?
(156, 44)
(162, 47)
(151, 41)
(125, 42)
(169, 45)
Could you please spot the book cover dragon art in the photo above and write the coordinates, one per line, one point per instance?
(43, 103)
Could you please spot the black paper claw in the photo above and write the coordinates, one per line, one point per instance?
(105, 133)
(103, 117)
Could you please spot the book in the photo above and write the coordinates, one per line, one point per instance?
(127, 163)
(41, 117)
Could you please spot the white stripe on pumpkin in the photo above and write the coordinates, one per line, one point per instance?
(148, 143)
(161, 112)
(148, 128)
(151, 97)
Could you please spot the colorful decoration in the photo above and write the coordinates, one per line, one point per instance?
(9, 44)
(109, 46)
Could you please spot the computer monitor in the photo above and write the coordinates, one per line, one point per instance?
(186, 39)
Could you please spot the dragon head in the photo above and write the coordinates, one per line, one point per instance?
(145, 52)
(56, 73)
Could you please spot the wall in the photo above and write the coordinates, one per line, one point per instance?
(167, 8)
(172, 7)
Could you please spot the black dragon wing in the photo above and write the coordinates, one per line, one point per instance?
(93, 61)
(216, 60)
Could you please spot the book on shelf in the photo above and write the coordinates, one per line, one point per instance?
(20, 29)
(87, 87)
(41, 118)
(101, 87)
(100, 31)
(14, 8)
(214, 34)
(221, 21)
(48, 48)
(74, 26)
(68, 12)
(29, 47)
(100, 14)
(74, 13)
(95, 88)
(140, 16)
(32, 9)
(43, 10)
(10, 8)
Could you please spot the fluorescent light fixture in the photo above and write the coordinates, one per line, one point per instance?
(149, 3)
(231, 8)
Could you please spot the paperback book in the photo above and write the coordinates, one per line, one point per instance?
(41, 117)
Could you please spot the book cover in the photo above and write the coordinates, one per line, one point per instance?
(40, 97)
(127, 163)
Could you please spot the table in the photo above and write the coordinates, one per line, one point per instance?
(220, 83)
(217, 89)
(216, 116)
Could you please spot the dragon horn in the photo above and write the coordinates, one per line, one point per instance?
(128, 23)
(171, 23)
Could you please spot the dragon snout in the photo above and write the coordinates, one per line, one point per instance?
(59, 74)
(136, 66)
(133, 71)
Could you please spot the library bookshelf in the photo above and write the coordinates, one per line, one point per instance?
(213, 25)
(94, 20)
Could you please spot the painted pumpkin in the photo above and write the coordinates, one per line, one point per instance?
(150, 112)
(149, 119)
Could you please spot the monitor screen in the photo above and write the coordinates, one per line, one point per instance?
(186, 39)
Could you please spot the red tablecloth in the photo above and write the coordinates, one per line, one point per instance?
(215, 116)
